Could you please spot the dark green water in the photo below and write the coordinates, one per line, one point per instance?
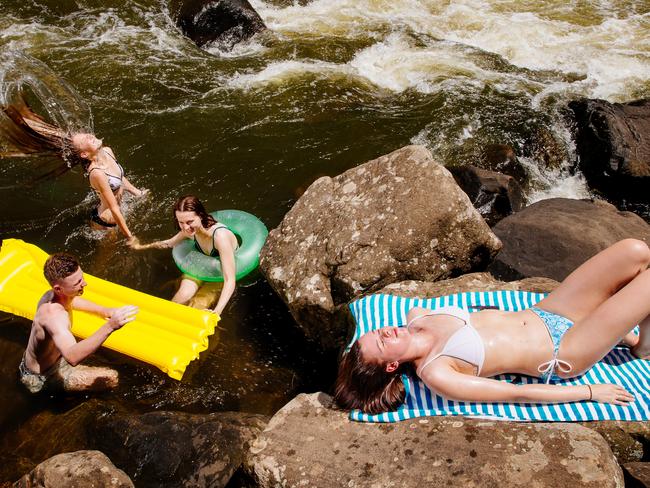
(330, 85)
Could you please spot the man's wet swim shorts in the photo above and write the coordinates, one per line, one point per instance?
(37, 382)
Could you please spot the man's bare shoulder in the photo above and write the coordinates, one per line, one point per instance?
(49, 314)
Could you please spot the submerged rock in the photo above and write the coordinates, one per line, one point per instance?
(553, 237)
(308, 443)
(222, 22)
(179, 449)
(401, 216)
(493, 194)
(613, 142)
(80, 469)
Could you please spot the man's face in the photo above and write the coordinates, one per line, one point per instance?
(71, 286)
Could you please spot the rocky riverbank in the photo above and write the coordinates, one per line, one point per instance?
(399, 224)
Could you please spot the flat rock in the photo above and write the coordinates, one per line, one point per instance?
(399, 217)
(551, 238)
(307, 443)
(175, 449)
(80, 469)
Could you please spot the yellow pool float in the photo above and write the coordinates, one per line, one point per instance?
(164, 334)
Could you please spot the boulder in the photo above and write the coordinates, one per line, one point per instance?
(493, 194)
(613, 143)
(552, 237)
(503, 159)
(399, 217)
(637, 475)
(468, 282)
(220, 22)
(307, 443)
(178, 449)
(80, 469)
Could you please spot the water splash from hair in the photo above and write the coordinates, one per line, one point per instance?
(26, 81)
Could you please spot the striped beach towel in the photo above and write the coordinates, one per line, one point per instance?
(619, 366)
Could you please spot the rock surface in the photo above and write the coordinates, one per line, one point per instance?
(401, 216)
(307, 443)
(493, 194)
(613, 141)
(637, 475)
(220, 22)
(553, 237)
(179, 449)
(80, 469)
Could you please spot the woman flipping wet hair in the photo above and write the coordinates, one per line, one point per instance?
(29, 133)
(455, 352)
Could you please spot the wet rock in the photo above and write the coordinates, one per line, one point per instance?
(502, 158)
(626, 439)
(553, 237)
(179, 449)
(493, 194)
(307, 443)
(613, 142)
(468, 282)
(220, 22)
(80, 469)
(49, 433)
(399, 217)
(637, 475)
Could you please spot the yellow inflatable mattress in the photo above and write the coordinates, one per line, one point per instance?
(165, 334)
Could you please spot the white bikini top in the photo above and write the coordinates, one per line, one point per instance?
(465, 343)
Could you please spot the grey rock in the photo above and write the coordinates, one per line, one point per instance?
(399, 217)
(493, 194)
(220, 22)
(80, 469)
(553, 237)
(613, 142)
(307, 443)
(178, 449)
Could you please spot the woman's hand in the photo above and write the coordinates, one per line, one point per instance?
(610, 393)
(133, 243)
(143, 192)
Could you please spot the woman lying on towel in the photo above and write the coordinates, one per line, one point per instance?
(564, 335)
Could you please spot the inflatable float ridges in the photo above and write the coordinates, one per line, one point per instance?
(164, 334)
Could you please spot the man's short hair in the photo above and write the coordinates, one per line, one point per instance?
(59, 266)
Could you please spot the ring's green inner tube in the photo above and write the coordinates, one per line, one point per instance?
(250, 232)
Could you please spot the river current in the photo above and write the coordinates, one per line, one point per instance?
(331, 84)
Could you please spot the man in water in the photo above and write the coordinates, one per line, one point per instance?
(52, 355)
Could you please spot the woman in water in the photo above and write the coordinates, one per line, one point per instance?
(28, 133)
(211, 238)
(565, 334)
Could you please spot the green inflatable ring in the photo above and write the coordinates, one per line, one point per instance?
(251, 234)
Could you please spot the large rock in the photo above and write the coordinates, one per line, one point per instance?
(80, 469)
(493, 194)
(179, 449)
(220, 22)
(553, 237)
(399, 217)
(613, 142)
(637, 475)
(307, 443)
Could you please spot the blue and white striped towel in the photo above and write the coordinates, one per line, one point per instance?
(619, 366)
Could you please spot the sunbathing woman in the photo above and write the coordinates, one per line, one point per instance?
(454, 352)
(28, 133)
(211, 238)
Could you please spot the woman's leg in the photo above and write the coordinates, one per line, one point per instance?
(186, 291)
(598, 279)
(592, 337)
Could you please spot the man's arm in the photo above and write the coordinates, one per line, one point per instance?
(84, 305)
(58, 326)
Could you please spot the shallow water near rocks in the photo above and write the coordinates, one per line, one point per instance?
(332, 84)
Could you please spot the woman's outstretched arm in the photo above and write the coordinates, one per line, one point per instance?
(99, 181)
(166, 244)
(128, 186)
(453, 385)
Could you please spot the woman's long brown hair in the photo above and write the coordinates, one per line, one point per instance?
(190, 203)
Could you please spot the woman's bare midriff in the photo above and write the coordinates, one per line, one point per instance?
(515, 342)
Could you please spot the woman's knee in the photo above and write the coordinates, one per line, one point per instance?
(636, 251)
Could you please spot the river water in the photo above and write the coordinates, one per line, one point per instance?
(331, 84)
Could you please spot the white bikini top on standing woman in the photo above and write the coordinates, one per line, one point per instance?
(465, 344)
